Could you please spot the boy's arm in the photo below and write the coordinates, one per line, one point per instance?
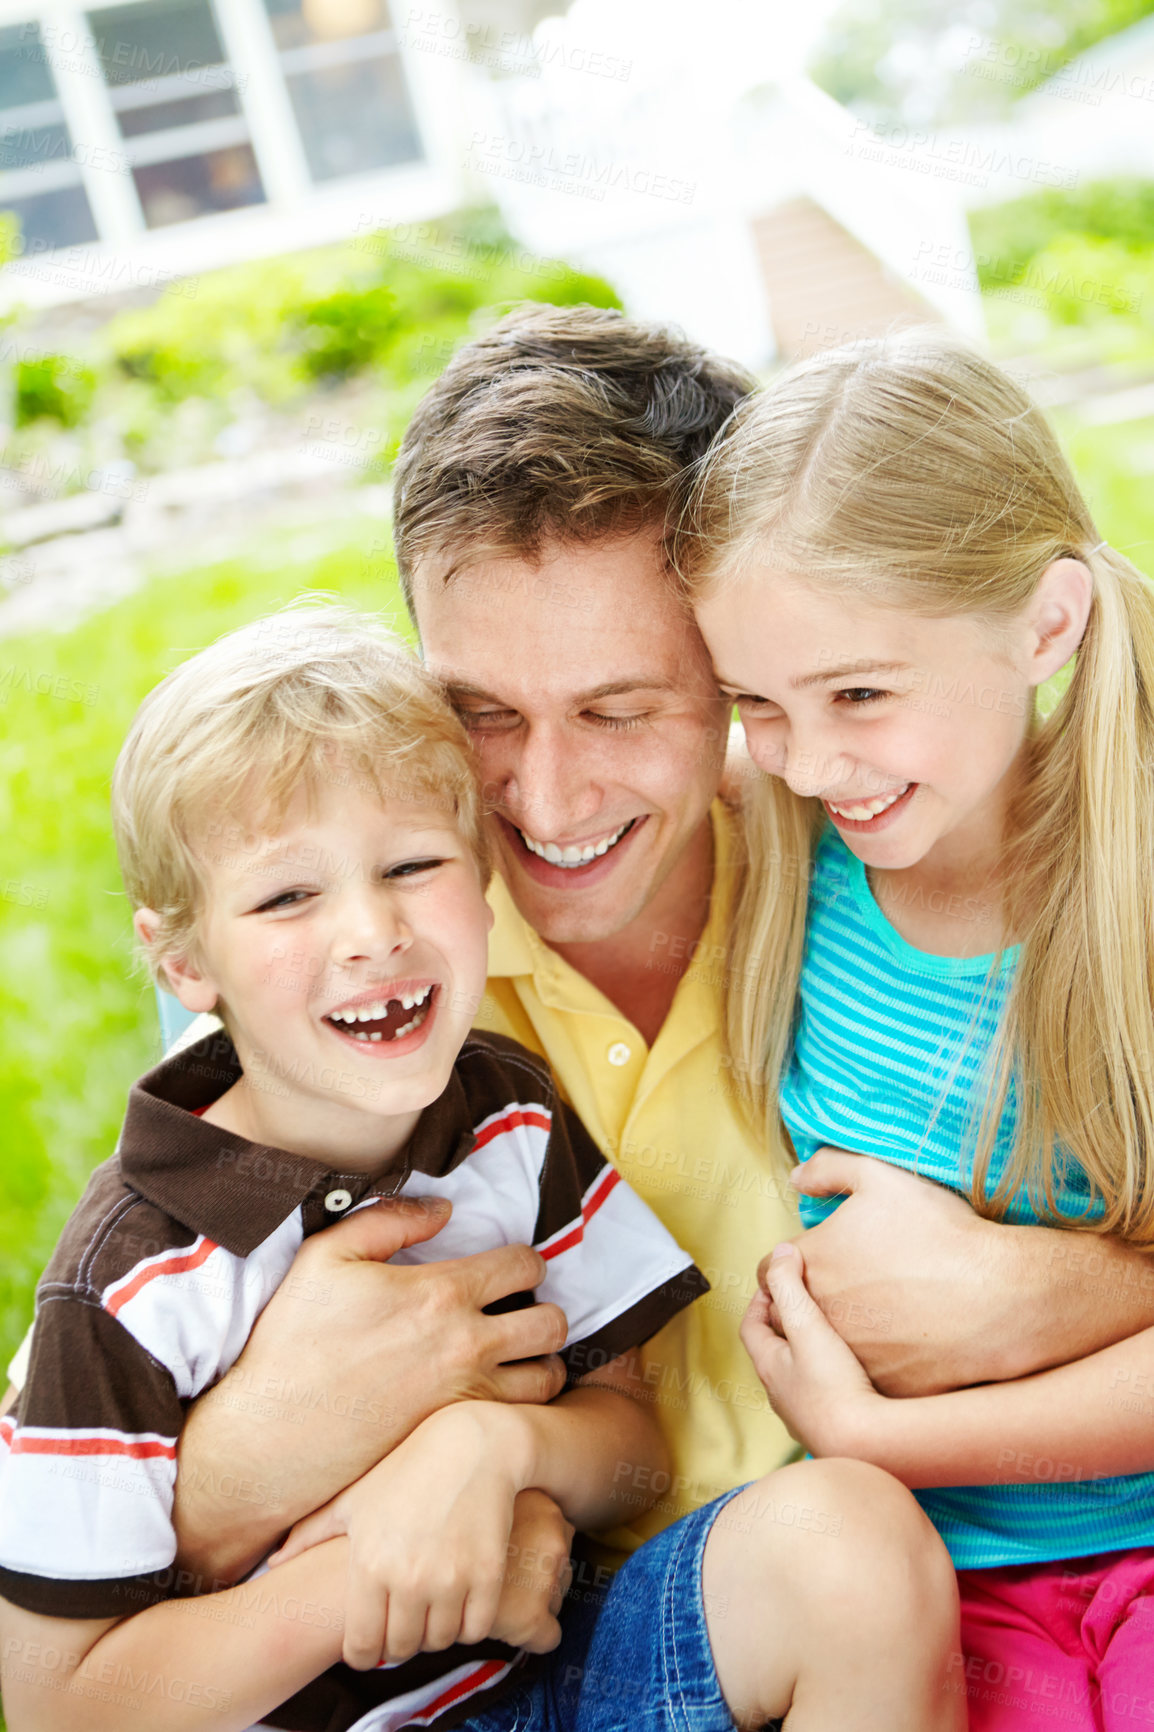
(1087, 1420)
(932, 1297)
(372, 1348)
(222, 1663)
(429, 1526)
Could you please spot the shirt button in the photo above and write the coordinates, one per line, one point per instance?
(338, 1201)
(619, 1053)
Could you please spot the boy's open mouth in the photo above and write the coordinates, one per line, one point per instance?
(384, 1019)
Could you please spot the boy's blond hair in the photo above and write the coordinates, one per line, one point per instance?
(310, 694)
(914, 470)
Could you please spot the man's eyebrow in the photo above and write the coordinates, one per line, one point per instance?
(612, 689)
(848, 671)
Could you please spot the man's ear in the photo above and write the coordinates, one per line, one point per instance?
(182, 977)
(1057, 615)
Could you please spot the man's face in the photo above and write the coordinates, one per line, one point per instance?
(595, 716)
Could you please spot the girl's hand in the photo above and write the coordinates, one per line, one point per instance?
(814, 1382)
(428, 1532)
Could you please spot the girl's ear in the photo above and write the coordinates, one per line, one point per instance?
(1057, 616)
(196, 991)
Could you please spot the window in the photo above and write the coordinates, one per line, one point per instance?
(40, 179)
(177, 106)
(344, 77)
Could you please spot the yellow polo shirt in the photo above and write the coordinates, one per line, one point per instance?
(668, 1118)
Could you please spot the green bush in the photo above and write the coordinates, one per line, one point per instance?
(1009, 237)
(54, 387)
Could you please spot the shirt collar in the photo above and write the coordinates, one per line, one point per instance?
(237, 1192)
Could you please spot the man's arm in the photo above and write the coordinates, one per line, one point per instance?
(932, 1297)
(1086, 1420)
(350, 1355)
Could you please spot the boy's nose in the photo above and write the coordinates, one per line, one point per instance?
(372, 929)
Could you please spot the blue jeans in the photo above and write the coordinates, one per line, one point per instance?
(639, 1662)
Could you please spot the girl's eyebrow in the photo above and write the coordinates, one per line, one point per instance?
(849, 670)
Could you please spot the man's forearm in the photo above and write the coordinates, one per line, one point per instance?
(240, 1486)
(1065, 1294)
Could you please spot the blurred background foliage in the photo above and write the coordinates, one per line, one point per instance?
(895, 61)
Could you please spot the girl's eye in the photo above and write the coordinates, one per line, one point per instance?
(748, 705)
(862, 694)
(410, 868)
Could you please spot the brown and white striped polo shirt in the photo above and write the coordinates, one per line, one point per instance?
(178, 1243)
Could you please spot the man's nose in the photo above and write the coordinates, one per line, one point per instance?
(547, 790)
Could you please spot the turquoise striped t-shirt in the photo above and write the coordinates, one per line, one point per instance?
(890, 1042)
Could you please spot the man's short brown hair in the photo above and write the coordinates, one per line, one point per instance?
(560, 424)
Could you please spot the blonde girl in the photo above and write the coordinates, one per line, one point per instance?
(944, 944)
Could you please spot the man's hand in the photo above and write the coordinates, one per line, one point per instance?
(932, 1297)
(429, 1533)
(350, 1354)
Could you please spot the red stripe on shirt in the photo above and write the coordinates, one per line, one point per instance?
(509, 1122)
(589, 1208)
(140, 1451)
(464, 1687)
(7, 1431)
(170, 1266)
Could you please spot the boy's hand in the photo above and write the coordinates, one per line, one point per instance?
(537, 1575)
(429, 1532)
(812, 1378)
(350, 1354)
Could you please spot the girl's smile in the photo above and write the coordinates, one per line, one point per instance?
(905, 728)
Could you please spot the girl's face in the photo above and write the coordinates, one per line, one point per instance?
(906, 728)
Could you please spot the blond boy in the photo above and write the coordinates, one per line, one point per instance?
(301, 838)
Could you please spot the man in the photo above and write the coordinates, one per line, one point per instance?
(532, 495)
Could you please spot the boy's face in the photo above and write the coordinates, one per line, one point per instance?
(348, 951)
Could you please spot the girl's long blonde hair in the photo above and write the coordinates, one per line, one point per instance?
(917, 470)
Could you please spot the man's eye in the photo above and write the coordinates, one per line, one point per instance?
(488, 721)
(410, 868)
(604, 721)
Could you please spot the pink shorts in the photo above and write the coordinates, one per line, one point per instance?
(1069, 1644)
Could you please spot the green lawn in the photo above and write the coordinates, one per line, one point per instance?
(78, 1022)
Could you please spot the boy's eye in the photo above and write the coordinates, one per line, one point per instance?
(410, 868)
(284, 899)
(747, 704)
(862, 694)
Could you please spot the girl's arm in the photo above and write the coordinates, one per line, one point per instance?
(221, 1661)
(1087, 1420)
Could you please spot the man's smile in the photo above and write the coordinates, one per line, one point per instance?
(573, 854)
